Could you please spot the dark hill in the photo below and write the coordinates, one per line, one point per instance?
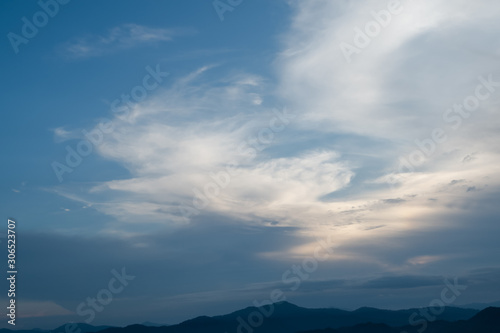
(486, 321)
(285, 317)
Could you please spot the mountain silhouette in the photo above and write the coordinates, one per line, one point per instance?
(480, 306)
(284, 317)
(486, 321)
(84, 328)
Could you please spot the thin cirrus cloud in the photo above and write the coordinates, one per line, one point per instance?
(125, 36)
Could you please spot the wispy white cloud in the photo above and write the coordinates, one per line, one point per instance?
(180, 138)
(392, 89)
(61, 134)
(125, 36)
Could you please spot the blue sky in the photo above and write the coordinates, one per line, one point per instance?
(249, 140)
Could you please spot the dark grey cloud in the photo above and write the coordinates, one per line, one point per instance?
(403, 282)
(393, 201)
(210, 254)
(214, 266)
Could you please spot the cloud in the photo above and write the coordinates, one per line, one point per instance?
(396, 92)
(422, 260)
(42, 309)
(333, 168)
(121, 37)
(61, 134)
(403, 282)
(335, 162)
(393, 201)
(179, 144)
(391, 90)
(211, 253)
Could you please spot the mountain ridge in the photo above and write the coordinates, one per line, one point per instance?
(285, 317)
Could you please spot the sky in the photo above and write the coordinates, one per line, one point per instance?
(182, 158)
